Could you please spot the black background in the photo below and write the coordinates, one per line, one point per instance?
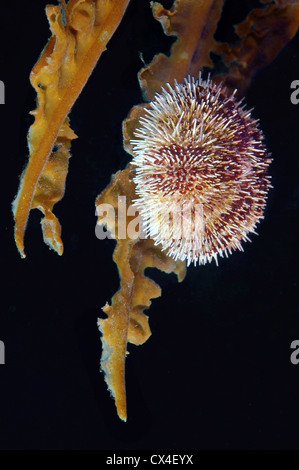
(216, 373)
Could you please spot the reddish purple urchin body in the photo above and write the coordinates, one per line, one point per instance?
(200, 171)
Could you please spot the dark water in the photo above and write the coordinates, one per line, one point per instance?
(216, 373)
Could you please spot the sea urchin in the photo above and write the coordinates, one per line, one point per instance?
(200, 171)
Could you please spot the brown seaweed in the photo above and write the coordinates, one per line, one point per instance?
(80, 32)
(263, 33)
